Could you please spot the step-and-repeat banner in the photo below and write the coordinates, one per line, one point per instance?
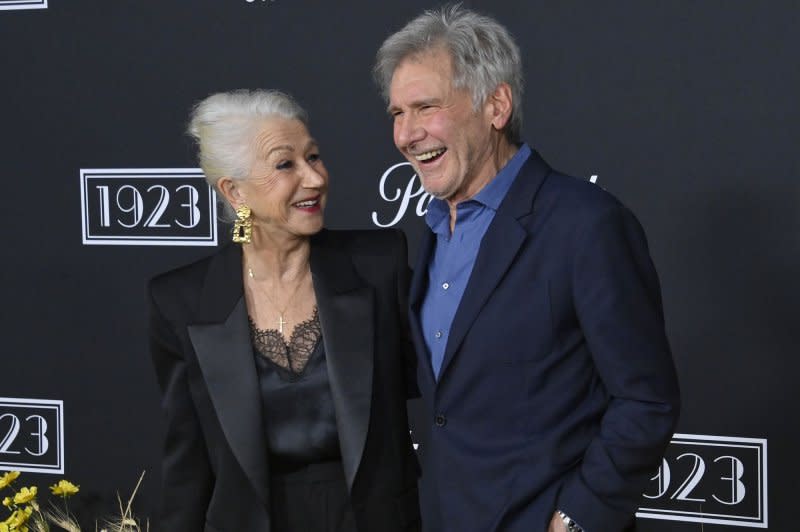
(685, 110)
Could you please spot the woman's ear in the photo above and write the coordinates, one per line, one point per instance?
(230, 190)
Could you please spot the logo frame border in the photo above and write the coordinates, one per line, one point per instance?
(697, 517)
(20, 5)
(211, 240)
(58, 405)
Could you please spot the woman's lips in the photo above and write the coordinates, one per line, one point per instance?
(309, 205)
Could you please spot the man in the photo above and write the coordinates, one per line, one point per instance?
(536, 311)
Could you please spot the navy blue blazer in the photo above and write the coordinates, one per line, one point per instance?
(558, 389)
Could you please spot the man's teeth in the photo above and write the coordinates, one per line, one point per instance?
(428, 155)
(308, 203)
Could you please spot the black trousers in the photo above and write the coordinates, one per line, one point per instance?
(312, 498)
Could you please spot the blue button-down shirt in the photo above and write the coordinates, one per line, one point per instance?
(455, 254)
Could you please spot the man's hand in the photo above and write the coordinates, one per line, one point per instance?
(556, 524)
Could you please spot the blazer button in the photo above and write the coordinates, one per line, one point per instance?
(440, 420)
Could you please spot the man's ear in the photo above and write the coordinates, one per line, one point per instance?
(499, 106)
(230, 190)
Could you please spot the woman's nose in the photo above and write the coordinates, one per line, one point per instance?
(313, 176)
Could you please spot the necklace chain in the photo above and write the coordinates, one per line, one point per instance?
(281, 311)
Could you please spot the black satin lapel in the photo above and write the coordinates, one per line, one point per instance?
(348, 334)
(500, 245)
(346, 313)
(225, 354)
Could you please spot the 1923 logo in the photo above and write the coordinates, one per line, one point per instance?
(150, 206)
(31, 435)
(710, 479)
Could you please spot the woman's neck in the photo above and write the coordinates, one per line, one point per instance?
(277, 258)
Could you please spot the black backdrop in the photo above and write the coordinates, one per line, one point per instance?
(686, 110)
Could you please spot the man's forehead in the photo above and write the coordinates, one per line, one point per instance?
(414, 77)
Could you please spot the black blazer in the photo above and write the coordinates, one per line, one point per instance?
(215, 464)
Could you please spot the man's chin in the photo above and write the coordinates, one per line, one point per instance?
(436, 193)
(439, 195)
(433, 187)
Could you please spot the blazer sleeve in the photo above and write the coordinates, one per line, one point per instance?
(618, 302)
(187, 478)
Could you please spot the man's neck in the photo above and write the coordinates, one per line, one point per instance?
(501, 153)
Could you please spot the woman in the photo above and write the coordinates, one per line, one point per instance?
(282, 358)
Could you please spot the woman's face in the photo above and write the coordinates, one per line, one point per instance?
(287, 185)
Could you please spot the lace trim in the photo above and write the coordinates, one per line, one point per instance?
(294, 354)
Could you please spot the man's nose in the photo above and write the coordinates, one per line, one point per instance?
(407, 131)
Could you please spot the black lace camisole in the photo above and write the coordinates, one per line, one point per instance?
(295, 395)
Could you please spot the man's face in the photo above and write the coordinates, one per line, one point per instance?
(437, 129)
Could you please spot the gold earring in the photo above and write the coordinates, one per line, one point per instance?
(243, 226)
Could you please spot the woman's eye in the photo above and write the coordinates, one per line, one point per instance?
(314, 157)
(285, 165)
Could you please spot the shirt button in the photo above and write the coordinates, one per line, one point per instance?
(446, 286)
(440, 420)
(438, 334)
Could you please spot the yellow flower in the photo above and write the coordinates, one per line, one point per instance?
(7, 502)
(8, 478)
(65, 488)
(17, 519)
(25, 495)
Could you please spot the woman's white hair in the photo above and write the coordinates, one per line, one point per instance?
(224, 125)
(483, 54)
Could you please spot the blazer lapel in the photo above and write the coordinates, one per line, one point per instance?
(346, 313)
(500, 245)
(221, 340)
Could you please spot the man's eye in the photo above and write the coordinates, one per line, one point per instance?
(314, 157)
(285, 165)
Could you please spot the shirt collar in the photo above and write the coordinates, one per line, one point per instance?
(437, 216)
(491, 195)
(495, 191)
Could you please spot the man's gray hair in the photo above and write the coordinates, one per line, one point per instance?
(483, 53)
